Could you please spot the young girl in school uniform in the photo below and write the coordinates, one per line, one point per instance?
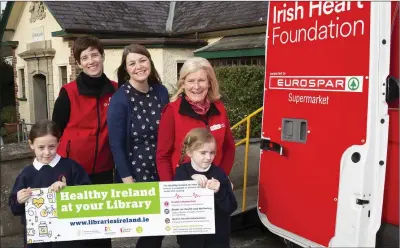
(48, 170)
(200, 146)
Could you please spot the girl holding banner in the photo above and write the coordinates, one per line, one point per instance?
(48, 170)
(200, 146)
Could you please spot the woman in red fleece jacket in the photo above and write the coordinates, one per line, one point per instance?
(196, 104)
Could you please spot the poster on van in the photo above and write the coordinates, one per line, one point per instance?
(119, 210)
(321, 57)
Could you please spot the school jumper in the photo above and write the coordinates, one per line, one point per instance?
(224, 202)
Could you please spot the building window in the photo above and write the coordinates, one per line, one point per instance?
(257, 61)
(178, 68)
(63, 75)
(22, 82)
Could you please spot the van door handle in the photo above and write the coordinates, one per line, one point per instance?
(268, 145)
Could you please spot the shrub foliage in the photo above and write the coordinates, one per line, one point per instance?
(242, 89)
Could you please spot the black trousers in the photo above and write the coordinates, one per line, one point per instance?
(63, 244)
(97, 243)
(105, 177)
(150, 242)
(202, 241)
(204, 246)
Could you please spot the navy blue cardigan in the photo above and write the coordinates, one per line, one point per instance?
(119, 122)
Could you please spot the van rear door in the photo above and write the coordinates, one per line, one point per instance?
(325, 121)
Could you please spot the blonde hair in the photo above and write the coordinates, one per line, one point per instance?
(194, 139)
(194, 64)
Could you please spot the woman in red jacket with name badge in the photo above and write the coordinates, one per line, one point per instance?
(196, 104)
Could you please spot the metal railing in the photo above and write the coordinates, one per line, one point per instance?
(22, 131)
(245, 140)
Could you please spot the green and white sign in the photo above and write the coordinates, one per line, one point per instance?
(103, 200)
(119, 210)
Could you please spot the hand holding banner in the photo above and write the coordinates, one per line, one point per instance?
(119, 210)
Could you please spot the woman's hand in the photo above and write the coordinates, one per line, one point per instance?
(128, 179)
(200, 179)
(214, 185)
(57, 186)
(23, 195)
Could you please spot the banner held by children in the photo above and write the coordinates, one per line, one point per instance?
(119, 210)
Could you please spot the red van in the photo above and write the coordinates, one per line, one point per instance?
(329, 160)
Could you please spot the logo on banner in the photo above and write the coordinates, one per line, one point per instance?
(139, 229)
(125, 230)
(353, 84)
(107, 230)
(317, 83)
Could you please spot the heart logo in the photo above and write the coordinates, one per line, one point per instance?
(38, 202)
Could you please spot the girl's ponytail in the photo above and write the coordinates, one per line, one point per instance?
(183, 152)
(186, 145)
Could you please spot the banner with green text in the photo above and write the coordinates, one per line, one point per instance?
(119, 210)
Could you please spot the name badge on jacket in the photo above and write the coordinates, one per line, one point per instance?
(216, 127)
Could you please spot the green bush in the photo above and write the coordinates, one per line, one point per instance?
(8, 114)
(242, 88)
(8, 137)
(3, 132)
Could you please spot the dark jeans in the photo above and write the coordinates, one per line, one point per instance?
(105, 177)
(150, 242)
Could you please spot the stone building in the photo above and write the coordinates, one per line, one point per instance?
(41, 35)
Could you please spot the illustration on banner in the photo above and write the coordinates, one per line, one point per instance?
(40, 210)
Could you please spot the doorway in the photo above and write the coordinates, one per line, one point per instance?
(40, 97)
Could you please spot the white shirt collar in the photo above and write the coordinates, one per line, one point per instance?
(194, 166)
(52, 163)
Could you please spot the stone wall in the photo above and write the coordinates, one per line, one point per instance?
(14, 64)
(14, 158)
(72, 61)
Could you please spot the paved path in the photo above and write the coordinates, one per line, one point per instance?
(252, 238)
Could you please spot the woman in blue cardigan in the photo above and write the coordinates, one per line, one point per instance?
(133, 117)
